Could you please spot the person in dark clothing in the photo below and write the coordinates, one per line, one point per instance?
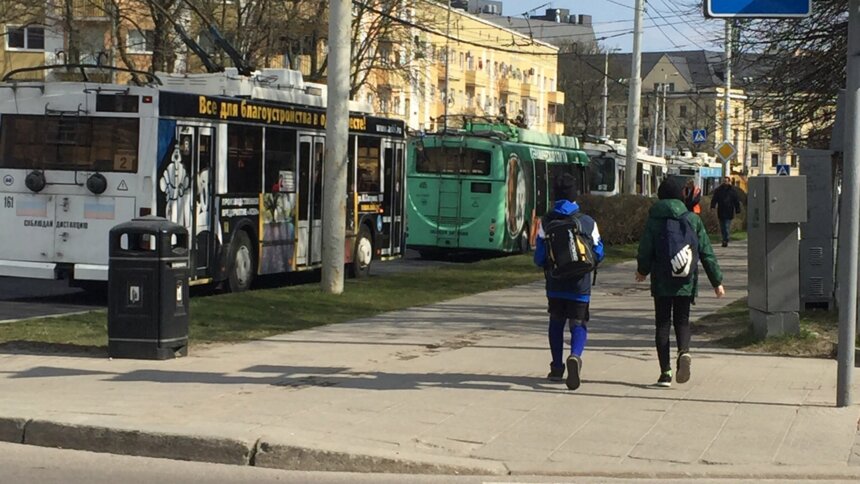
(568, 299)
(673, 296)
(692, 196)
(727, 203)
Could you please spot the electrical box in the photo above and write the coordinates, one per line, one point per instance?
(818, 233)
(776, 205)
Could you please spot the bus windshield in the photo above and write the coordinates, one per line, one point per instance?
(602, 174)
(445, 160)
(69, 143)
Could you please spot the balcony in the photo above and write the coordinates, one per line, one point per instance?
(476, 78)
(95, 10)
(506, 86)
(454, 72)
(555, 97)
(555, 128)
(528, 91)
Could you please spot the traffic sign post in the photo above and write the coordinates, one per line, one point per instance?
(757, 8)
(700, 136)
(725, 152)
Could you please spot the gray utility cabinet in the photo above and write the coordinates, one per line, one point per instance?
(817, 235)
(776, 204)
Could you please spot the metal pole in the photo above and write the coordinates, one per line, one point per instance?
(849, 216)
(337, 125)
(656, 122)
(635, 96)
(605, 96)
(447, 67)
(727, 95)
(665, 98)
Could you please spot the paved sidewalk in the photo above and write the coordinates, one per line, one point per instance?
(456, 387)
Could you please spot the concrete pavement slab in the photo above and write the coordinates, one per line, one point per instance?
(453, 387)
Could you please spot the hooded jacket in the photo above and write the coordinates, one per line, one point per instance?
(662, 286)
(577, 289)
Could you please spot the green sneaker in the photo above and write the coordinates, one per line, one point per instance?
(665, 379)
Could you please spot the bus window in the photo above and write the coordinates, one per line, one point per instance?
(639, 188)
(244, 159)
(602, 170)
(466, 161)
(540, 187)
(369, 179)
(304, 178)
(69, 143)
(280, 160)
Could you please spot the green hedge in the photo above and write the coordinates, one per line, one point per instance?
(622, 218)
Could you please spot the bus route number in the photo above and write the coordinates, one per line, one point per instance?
(9, 202)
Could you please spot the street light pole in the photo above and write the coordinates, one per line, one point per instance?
(665, 98)
(447, 67)
(727, 96)
(849, 217)
(634, 99)
(337, 125)
(605, 95)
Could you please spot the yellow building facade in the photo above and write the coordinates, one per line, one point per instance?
(463, 66)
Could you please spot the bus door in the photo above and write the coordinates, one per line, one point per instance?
(311, 154)
(392, 197)
(193, 210)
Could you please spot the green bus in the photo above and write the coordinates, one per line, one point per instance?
(485, 186)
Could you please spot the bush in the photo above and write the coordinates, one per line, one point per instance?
(622, 218)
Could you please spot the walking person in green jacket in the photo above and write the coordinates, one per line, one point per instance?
(673, 242)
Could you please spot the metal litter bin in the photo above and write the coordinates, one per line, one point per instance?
(148, 271)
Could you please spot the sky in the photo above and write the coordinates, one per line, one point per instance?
(668, 24)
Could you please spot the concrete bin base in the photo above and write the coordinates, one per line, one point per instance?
(774, 324)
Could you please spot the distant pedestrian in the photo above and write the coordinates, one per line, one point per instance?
(727, 203)
(568, 248)
(673, 242)
(692, 196)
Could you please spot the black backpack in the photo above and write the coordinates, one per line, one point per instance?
(570, 252)
(678, 249)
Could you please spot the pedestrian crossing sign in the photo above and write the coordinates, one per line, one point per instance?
(700, 136)
(783, 170)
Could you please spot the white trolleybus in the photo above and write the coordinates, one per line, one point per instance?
(608, 164)
(237, 160)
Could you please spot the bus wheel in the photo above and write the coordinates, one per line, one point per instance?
(241, 263)
(525, 244)
(363, 255)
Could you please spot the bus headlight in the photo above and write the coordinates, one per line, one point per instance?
(35, 181)
(97, 183)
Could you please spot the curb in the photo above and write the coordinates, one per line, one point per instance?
(221, 450)
(300, 458)
(137, 443)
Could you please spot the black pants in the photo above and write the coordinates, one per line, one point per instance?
(669, 310)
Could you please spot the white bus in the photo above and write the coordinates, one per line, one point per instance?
(237, 160)
(608, 165)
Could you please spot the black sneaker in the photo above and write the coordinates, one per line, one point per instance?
(684, 361)
(665, 379)
(725, 243)
(555, 373)
(574, 366)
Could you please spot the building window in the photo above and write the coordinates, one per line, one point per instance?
(754, 160)
(755, 135)
(793, 160)
(140, 41)
(774, 160)
(737, 112)
(756, 114)
(682, 110)
(28, 38)
(645, 111)
(774, 135)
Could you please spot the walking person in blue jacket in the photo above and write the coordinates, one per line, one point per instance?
(568, 299)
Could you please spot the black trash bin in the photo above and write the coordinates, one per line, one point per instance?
(148, 272)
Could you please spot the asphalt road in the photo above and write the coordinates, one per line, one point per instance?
(24, 464)
(29, 298)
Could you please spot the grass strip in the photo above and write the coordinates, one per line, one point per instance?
(730, 327)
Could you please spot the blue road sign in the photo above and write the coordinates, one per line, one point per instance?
(783, 170)
(757, 8)
(700, 136)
